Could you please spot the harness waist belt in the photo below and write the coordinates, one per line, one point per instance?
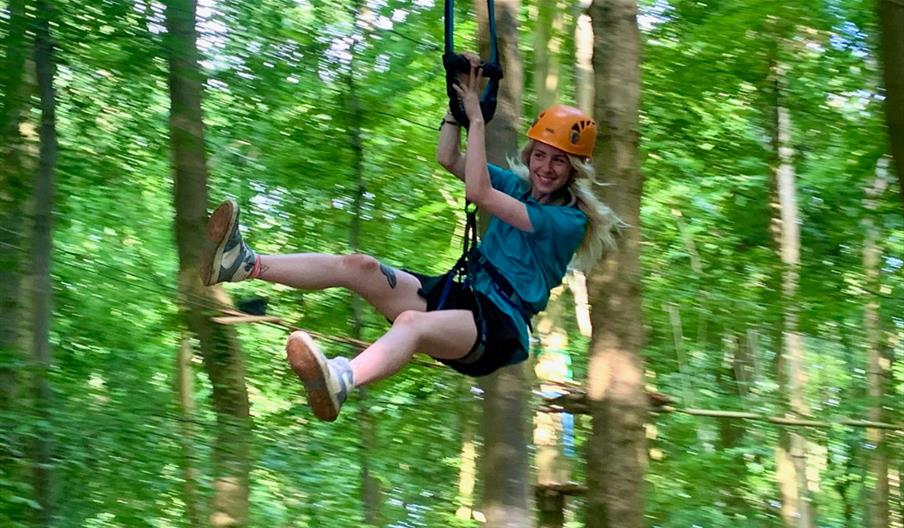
(503, 285)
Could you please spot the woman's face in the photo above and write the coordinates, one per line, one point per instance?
(550, 169)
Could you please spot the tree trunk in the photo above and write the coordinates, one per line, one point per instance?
(370, 487)
(729, 381)
(219, 346)
(553, 363)
(42, 249)
(185, 391)
(583, 72)
(879, 368)
(732, 378)
(503, 132)
(618, 405)
(737, 376)
(547, 47)
(16, 170)
(505, 460)
(584, 89)
(13, 193)
(467, 475)
(504, 467)
(891, 48)
(791, 454)
(372, 493)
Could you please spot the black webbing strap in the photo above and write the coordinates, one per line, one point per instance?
(456, 64)
(471, 260)
(461, 269)
(460, 272)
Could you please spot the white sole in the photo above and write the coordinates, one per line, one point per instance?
(215, 235)
(310, 367)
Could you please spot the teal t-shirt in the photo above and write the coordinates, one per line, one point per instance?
(533, 263)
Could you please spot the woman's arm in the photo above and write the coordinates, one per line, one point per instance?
(447, 149)
(448, 153)
(478, 188)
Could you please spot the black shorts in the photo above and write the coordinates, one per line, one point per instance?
(496, 331)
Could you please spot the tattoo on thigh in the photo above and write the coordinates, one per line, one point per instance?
(390, 275)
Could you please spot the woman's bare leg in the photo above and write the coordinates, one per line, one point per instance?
(446, 334)
(226, 258)
(389, 290)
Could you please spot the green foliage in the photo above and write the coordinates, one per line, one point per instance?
(279, 137)
(708, 158)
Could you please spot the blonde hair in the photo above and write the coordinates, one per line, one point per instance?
(602, 224)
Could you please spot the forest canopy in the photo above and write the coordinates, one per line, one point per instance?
(770, 240)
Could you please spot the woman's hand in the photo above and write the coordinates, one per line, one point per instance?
(473, 58)
(469, 93)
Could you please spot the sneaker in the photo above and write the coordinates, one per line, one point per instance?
(326, 382)
(226, 258)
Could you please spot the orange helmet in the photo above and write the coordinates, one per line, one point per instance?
(566, 128)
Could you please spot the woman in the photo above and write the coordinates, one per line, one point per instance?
(543, 217)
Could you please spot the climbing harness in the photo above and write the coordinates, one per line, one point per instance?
(478, 261)
(473, 259)
(456, 64)
(460, 272)
(461, 276)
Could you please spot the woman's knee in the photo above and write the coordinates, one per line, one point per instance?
(360, 263)
(362, 270)
(410, 319)
(408, 323)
